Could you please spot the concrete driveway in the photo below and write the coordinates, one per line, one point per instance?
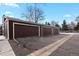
(5, 48)
(31, 44)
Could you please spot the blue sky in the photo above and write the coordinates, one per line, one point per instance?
(52, 11)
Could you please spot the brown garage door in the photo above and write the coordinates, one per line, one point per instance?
(46, 31)
(25, 31)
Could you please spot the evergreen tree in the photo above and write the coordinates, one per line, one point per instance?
(57, 25)
(47, 23)
(64, 26)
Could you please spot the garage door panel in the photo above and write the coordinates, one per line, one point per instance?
(25, 31)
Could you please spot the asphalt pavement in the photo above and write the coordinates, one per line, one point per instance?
(69, 48)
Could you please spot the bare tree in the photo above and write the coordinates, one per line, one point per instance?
(29, 13)
(38, 15)
(34, 14)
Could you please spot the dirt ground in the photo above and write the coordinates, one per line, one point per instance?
(30, 44)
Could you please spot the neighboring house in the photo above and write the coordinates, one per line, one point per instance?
(16, 28)
(71, 27)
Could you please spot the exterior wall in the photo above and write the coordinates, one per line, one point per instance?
(10, 29)
(5, 29)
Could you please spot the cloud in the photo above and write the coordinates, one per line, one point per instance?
(67, 15)
(8, 12)
(11, 16)
(10, 4)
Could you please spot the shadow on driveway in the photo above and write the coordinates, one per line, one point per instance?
(31, 44)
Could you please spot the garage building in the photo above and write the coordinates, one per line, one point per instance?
(15, 28)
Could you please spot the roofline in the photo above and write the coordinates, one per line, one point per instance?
(19, 20)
